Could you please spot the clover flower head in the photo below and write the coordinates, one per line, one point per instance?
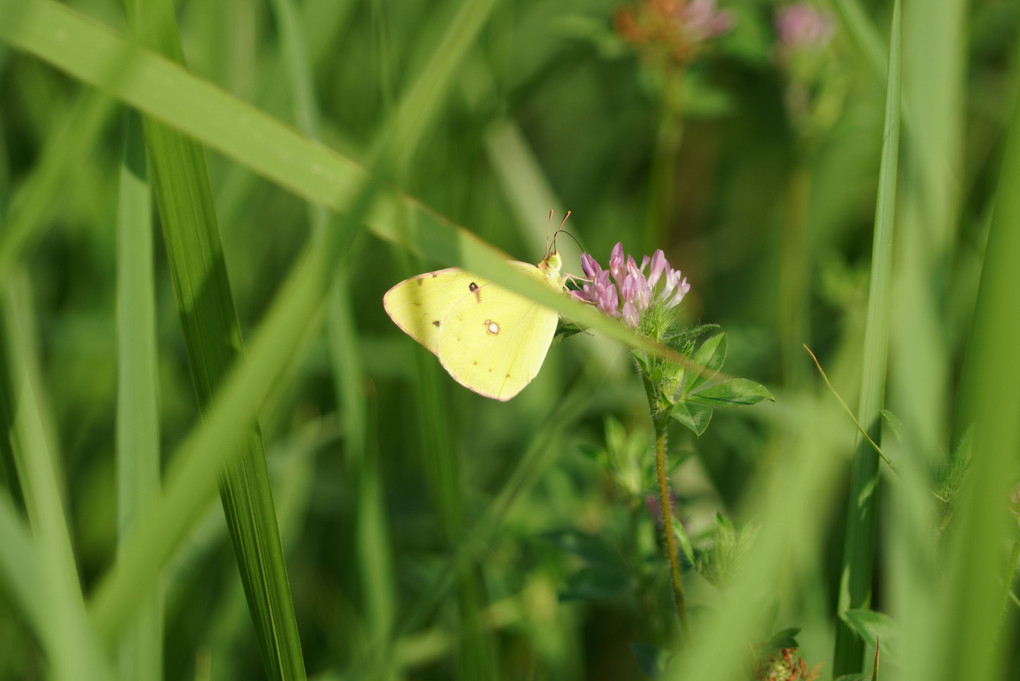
(676, 28)
(802, 26)
(704, 21)
(626, 290)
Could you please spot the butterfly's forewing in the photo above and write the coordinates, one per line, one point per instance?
(418, 305)
(494, 341)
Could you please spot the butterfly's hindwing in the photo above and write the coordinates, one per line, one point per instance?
(508, 337)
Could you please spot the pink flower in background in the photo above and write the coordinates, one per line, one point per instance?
(702, 20)
(804, 26)
(676, 28)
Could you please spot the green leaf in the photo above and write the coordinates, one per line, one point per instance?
(894, 424)
(733, 393)
(685, 541)
(873, 627)
(784, 638)
(693, 416)
(711, 356)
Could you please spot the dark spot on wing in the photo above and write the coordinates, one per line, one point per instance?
(435, 323)
(474, 288)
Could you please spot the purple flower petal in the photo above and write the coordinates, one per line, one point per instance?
(658, 265)
(608, 301)
(590, 266)
(616, 261)
(630, 315)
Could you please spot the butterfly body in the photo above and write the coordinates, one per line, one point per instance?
(489, 339)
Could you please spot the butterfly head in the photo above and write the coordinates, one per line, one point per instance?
(552, 264)
(552, 261)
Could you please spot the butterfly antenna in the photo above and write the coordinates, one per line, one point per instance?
(579, 246)
(548, 231)
(558, 230)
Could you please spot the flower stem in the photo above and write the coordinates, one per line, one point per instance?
(667, 149)
(667, 526)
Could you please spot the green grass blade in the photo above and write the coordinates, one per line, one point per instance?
(859, 541)
(191, 478)
(922, 347)
(974, 632)
(138, 464)
(213, 339)
(793, 502)
(68, 638)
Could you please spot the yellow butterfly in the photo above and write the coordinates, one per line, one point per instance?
(490, 340)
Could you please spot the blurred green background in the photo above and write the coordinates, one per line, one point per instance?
(430, 533)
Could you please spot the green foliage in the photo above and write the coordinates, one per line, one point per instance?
(877, 627)
(701, 393)
(728, 549)
(857, 199)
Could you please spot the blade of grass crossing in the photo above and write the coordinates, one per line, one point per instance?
(973, 630)
(861, 518)
(166, 92)
(141, 648)
(213, 340)
(68, 639)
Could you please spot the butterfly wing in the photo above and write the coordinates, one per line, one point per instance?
(418, 305)
(494, 341)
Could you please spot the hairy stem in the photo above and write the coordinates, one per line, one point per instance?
(667, 527)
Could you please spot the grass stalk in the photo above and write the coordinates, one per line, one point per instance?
(861, 514)
(74, 654)
(138, 464)
(973, 636)
(213, 339)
